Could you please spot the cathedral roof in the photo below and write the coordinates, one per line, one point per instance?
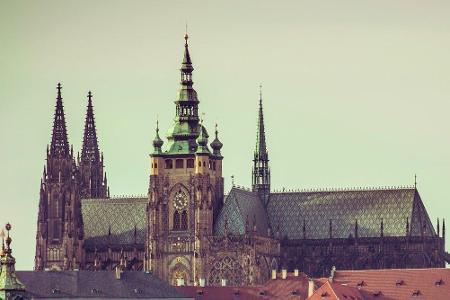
(118, 222)
(242, 205)
(373, 209)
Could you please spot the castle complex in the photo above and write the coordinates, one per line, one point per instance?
(186, 230)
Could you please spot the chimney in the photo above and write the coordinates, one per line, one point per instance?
(274, 274)
(201, 282)
(118, 273)
(310, 287)
(283, 273)
(296, 272)
(224, 282)
(180, 282)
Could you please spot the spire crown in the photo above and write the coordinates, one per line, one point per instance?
(90, 151)
(261, 147)
(59, 145)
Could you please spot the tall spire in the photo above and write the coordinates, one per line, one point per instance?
(261, 170)
(59, 145)
(261, 148)
(90, 150)
(185, 130)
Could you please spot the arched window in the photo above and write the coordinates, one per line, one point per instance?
(190, 163)
(169, 164)
(184, 221)
(176, 220)
(179, 164)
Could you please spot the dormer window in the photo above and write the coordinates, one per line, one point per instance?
(179, 164)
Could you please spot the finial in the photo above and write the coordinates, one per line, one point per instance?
(216, 131)
(232, 180)
(157, 124)
(260, 92)
(90, 96)
(59, 87)
(415, 181)
(186, 36)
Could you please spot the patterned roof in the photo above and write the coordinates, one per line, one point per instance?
(239, 205)
(289, 211)
(113, 221)
(100, 284)
(398, 284)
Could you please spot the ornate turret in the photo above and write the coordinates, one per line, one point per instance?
(202, 141)
(93, 183)
(90, 152)
(261, 170)
(59, 145)
(216, 145)
(157, 142)
(10, 285)
(182, 135)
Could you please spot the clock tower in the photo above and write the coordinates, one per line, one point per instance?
(185, 190)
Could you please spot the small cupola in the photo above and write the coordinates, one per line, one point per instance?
(157, 142)
(202, 140)
(216, 145)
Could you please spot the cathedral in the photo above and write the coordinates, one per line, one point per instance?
(188, 230)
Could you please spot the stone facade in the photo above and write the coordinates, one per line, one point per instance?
(184, 230)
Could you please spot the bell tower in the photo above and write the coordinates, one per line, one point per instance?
(58, 234)
(185, 190)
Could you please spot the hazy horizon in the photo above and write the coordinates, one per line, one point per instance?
(356, 93)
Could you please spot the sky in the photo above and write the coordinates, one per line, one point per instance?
(356, 93)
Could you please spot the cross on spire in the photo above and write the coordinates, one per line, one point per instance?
(90, 150)
(59, 145)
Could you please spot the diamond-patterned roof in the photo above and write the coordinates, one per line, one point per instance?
(120, 216)
(288, 211)
(239, 205)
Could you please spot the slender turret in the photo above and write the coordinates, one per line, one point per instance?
(93, 183)
(261, 170)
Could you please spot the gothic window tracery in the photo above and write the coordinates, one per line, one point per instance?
(227, 268)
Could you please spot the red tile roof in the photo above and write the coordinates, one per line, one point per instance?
(398, 284)
(334, 291)
(291, 288)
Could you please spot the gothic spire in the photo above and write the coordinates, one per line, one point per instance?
(261, 170)
(59, 145)
(261, 148)
(90, 150)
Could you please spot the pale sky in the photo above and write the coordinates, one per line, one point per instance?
(356, 93)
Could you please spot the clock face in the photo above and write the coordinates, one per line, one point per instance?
(180, 200)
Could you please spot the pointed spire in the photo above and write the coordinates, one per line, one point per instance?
(261, 148)
(59, 145)
(90, 152)
(438, 227)
(157, 142)
(261, 170)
